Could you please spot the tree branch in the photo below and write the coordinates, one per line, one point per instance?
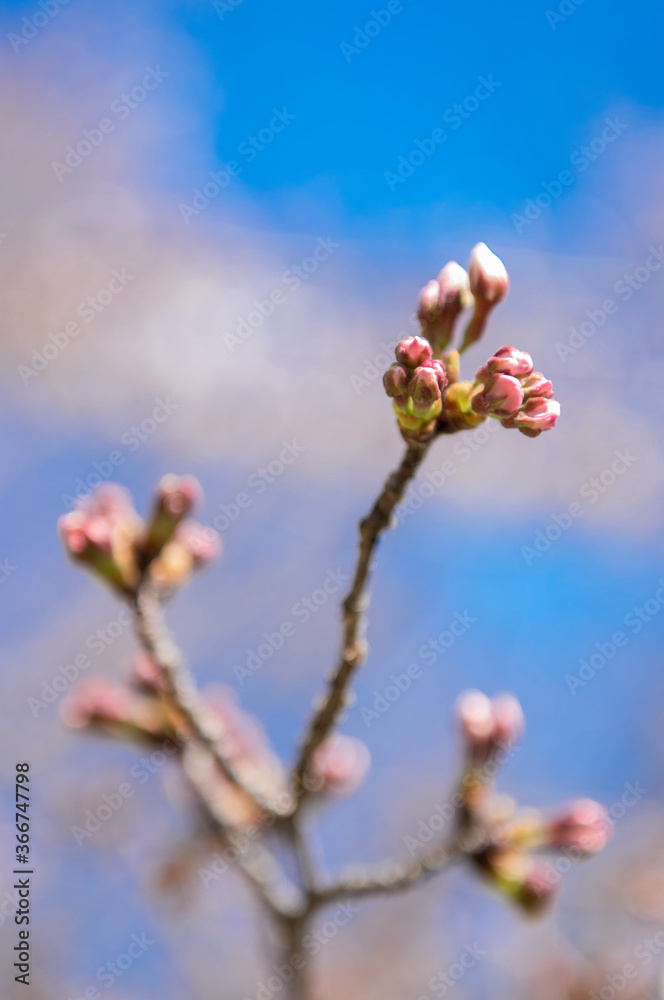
(386, 878)
(354, 648)
(181, 691)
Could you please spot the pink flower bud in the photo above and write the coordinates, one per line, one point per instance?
(508, 721)
(341, 764)
(454, 287)
(395, 380)
(488, 278)
(96, 700)
(146, 674)
(428, 310)
(475, 716)
(536, 385)
(502, 396)
(101, 533)
(203, 544)
(585, 827)
(441, 302)
(413, 351)
(538, 889)
(440, 370)
(424, 390)
(174, 499)
(538, 414)
(509, 361)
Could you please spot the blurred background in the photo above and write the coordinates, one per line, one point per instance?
(168, 171)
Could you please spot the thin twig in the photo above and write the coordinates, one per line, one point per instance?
(354, 648)
(386, 878)
(181, 690)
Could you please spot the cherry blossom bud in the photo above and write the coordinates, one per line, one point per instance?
(146, 674)
(508, 722)
(487, 275)
(538, 889)
(502, 396)
(413, 351)
(341, 764)
(489, 284)
(537, 414)
(192, 547)
(441, 302)
(89, 539)
(536, 385)
(175, 498)
(203, 544)
(475, 716)
(509, 361)
(96, 700)
(101, 532)
(395, 380)
(424, 390)
(584, 827)
(521, 877)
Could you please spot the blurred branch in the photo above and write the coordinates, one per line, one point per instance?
(387, 877)
(354, 606)
(182, 693)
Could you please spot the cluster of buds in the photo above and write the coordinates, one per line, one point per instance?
(106, 534)
(118, 710)
(441, 301)
(416, 382)
(507, 388)
(425, 383)
(512, 838)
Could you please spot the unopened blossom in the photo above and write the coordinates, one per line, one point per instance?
(101, 532)
(489, 284)
(416, 383)
(440, 303)
(537, 414)
(585, 827)
(116, 709)
(341, 764)
(488, 724)
(521, 877)
(192, 547)
(506, 387)
(502, 396)
(175, 498)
